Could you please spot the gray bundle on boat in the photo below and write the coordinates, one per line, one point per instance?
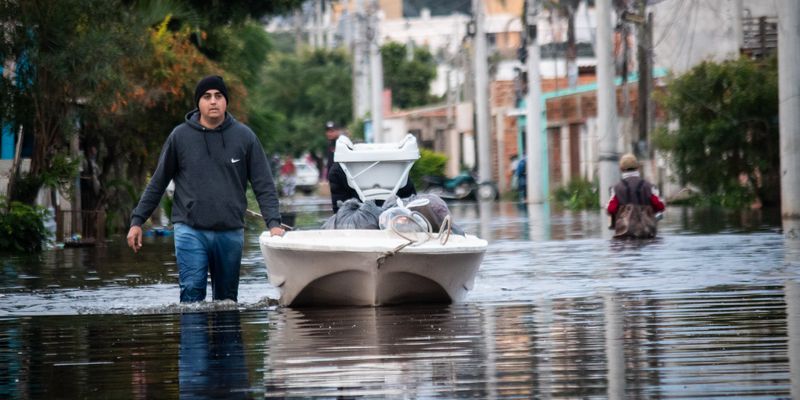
(434, 210)
(354, 214)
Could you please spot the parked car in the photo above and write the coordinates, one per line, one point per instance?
(307, 176)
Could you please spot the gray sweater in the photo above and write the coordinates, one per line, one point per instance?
(211, 168)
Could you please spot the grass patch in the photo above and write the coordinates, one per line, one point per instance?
(578, 194)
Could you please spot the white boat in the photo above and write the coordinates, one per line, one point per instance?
(369, 267)
(372, 267)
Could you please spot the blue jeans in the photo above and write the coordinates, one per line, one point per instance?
(200, 252)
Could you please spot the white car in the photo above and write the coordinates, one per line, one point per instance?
(307, 176)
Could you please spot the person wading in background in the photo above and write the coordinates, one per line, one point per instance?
(633, 205)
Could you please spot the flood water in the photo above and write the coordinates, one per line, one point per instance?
(709, 309)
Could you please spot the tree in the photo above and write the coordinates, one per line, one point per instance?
(408, 78)
(301, 92)
(67, 54)
(727, 141)
(218, 13)
(158, 92)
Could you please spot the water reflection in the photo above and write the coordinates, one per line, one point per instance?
(211, 361)
(791, 229)
(721, 341)
(538, 221)
(792, 296)
(615, 347)
(389, 351)
(486, 211)
(719, 220)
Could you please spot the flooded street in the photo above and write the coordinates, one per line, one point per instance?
(711, 308)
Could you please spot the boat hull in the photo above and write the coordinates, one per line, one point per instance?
(369, 268)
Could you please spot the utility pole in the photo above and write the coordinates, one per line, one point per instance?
(606, 103)
(317, 29)
(789, 110)
(376, 72)
(644, 29)
(572, 48)
(621, 66)
(738, 8)
(482, 96)
(360, 78)
(297, 22)
(535, 142)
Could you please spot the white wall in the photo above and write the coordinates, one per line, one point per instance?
(394, 129)
(687, 32)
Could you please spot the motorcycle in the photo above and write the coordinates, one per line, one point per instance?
(463, 186)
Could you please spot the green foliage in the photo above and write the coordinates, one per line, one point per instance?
(60, 175)
(62, 171)
(300, 93)
(727, 141)
(735, 198)
(21, 227)
(579, 194)
(244, 49)
(235, 11)
(409, 77)
(26, 188)
(356, 129)
(69, 52)
(430, 163)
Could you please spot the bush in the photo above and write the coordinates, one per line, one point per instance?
(727, 131)
(430, 163)
(733, 197)
(22, 227)
(579, 194)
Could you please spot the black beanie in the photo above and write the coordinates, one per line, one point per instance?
(208, 83)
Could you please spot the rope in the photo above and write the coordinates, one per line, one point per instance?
(443, 236)
(255, 214)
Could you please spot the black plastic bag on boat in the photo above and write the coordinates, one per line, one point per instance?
(354, 214)
(434, 209)
(330, 223)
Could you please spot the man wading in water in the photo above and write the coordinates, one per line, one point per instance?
(633, 205)
(210, 157)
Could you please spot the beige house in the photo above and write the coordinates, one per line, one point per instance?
(442, 128)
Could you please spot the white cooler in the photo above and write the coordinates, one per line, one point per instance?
(376, 170)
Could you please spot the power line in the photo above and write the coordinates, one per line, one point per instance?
(692, 33)
(675, 13)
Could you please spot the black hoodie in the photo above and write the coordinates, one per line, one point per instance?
(211, 168)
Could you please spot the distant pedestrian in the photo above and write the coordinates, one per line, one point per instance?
(331, 133)
(211, 157)
(633, 205)
(522, 179)
(513, 161)
(288, 176)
